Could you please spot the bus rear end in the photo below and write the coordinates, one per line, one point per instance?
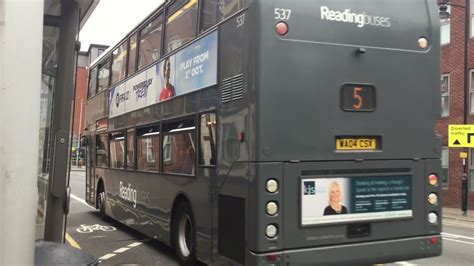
(347, 161)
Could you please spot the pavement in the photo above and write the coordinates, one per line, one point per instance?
(450, 215)
(456, 216)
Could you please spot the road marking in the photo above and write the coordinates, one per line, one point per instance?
(107, 256)
(455, 240)
(136, 244)
(72, 242)
(457, 236)
(120, 250)
(81, 201)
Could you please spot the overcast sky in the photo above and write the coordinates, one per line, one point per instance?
(112, 19)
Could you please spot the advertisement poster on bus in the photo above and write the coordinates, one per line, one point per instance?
(193, 68)
(196, 66)
(348, 199)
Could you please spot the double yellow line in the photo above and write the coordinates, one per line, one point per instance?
(72, 242)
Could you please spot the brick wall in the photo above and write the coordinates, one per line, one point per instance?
(452, 63)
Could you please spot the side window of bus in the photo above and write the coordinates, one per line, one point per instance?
(117, 150)
(92, 82)
(102, 151)
(207, 148)
(130, 149)
(132, 55)
(119, 63)
(181, 24)
(148, 149)
(214, 11)
(179, 147)
(104, 72)
(150, 42)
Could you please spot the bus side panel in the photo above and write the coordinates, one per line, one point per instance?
(235, 140)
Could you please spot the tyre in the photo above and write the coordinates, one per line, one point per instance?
(184, 235)
(101, 204)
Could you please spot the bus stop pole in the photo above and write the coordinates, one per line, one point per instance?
(58, 198)
(21, 35)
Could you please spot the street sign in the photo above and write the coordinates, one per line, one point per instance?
(461, 136)
(463, 155)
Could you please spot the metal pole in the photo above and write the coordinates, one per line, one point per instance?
(61, 123)
(467, 34)
(21, 35)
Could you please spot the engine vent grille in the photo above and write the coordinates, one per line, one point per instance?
(232, 88)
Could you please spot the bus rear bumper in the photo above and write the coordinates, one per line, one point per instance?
(353, 254)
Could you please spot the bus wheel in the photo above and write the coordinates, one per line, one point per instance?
(184, 236)
(101, 203)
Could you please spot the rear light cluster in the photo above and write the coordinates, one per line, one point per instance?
(433, 181)
(272, 208)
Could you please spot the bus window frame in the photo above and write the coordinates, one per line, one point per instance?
(165, 17)
(138, 31)
(211, 111)
(117, 47)
(174, 120)
(134, 132)
(99, 134)
(136, 129)
(108, 58)
(89, 96)
(110, 140)
(129, 37)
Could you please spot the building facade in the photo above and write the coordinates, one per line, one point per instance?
(452, 100)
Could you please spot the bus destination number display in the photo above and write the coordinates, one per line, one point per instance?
(356, 143)
(357, 98)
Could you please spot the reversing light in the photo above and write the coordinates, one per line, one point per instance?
(272, 208)
(281, 28)
(271, 186)
(433, 180)
(433, 198)
(271, 231)
(432, 218)
(423, 43)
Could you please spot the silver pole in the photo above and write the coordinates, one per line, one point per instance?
(21, 35)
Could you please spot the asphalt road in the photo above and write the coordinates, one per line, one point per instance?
(114, 244)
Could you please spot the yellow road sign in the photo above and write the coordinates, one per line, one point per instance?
(461, 136)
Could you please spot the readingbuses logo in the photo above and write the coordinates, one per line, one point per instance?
(309, 188)
(361, 19)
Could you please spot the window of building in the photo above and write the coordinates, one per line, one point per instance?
(102, 150)
(180, 24)
(92, 82)
(446, 29)
(150, 42)
(445, 167)
(117, 150)
(208, 151)
(445, 95)
(104, 72)
(471, 91)
(214, 11)
(471, 169)
(179, 148)
(148, 149)
(119, 63)
(132, 55)
(130, 149)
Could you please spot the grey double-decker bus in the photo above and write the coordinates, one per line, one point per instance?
(272, 132)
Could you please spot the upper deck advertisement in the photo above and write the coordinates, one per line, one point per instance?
(348, 199)
(192, 68)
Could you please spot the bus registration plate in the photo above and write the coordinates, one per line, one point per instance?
(356, 144)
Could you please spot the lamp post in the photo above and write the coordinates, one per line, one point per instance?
(444, 14)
